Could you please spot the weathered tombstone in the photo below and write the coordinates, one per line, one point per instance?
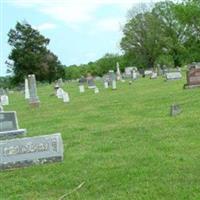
(23, 152)
(175, 110)
(90, 82)
(65, 97)
(106, 84)
(118, 72)
(81, 88)
(114, 85)
(173, 76)
(2, 91)
(154, 75)
(96, 90)
(33, 100)
(148, 72)
(9, 125)
(134, 74)
(60, 82)
(59, 93)
(4, 100)
(193, 78)
(27, 93)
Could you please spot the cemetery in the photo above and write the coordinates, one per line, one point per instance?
(99, 105)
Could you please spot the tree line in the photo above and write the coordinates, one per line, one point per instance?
(165, 33)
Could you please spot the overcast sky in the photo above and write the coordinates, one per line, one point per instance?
(79, 30)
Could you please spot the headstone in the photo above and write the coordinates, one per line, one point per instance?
(60, 82)
(59, 93)
(2, 91)
(193, 78)
(23, 152)
(148, 72)
(27, 94)
(173, 76)
(118, 72)
(65, 97)
(114, 85)
(90, 81)
(96, 90)
(81, 88)
(129, 72)
(4, 100)
(112, 77)
(106, 84)
(175, 110)
(134, 75)
(9, 125)
(33, 100)
(154, 75)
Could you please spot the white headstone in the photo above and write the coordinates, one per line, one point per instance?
(154, 75)
(114, 85)
(65, 97)
(4, 100)
(118, 72)
(59, 93)
(173, 75)
(96, 90)
(27, 94)
(106, 84)
(81, 88)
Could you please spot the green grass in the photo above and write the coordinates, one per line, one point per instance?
(123, 144)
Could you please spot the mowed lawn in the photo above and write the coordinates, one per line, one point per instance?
(121, 144)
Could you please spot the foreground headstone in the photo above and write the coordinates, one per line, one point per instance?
(175, 110)
(59, 93)
(173, 76)
(193, 78)
(9, 125)
(23, 152)
(34, 99)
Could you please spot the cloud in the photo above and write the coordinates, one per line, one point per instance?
(73, 11)
(45, 26)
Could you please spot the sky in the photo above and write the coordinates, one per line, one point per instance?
(80, 31)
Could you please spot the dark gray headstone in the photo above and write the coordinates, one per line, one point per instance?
(175, 110)
(23, 152)
(9, 125)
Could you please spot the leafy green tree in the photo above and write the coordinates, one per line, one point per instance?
(141, 39)
(30, 55)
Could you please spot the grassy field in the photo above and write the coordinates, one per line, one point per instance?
(122, 144)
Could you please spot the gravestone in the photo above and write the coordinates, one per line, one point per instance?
(81, 88)
(118, 72)
(90, 82)
(2, 91)
(148, 72)
(27, 93)
(60, 82)
(23, 152)
(4, 100)
(59, 93)
(134, 74)
(175, 110)
(9, 125)
(96, 90)
(173, 76)
(193, 78)
(114, 85)
(106, 84)
(33, 100)
(65, 97)
(154, 75)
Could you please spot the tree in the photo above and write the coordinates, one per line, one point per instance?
(31, 56)
(141, 39)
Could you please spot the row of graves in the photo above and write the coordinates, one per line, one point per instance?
(18, 150)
